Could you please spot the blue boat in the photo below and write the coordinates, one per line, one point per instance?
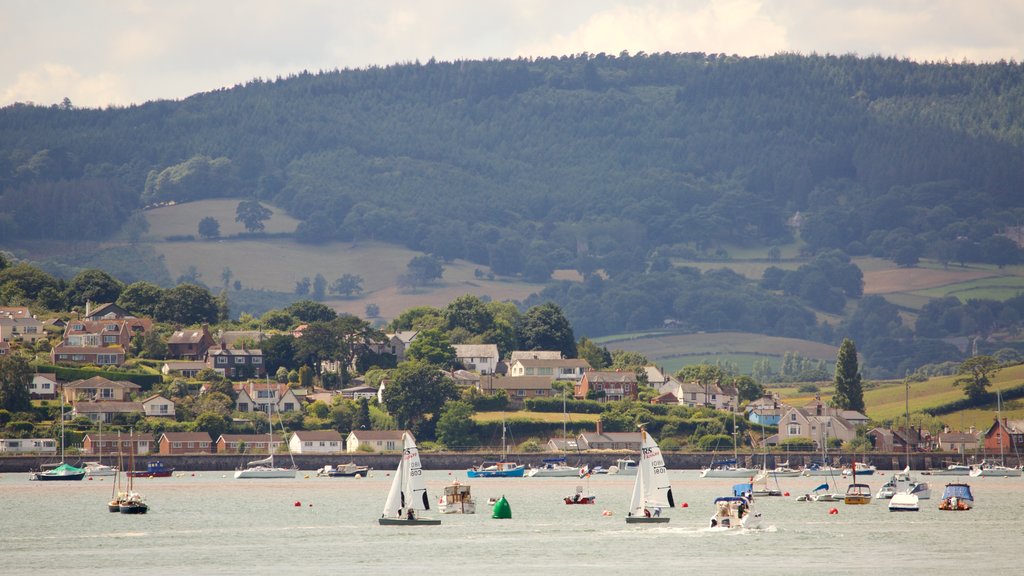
(957, 497)
(155, 469)
(497, 470)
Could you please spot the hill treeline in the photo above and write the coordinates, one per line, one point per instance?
(617, 163)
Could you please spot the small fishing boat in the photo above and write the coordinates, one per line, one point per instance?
(344, 471)
(957, 497)
(457, 499)
(735, 511)
(904, 502)
(154, 469)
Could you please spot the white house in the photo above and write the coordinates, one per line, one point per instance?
(28, 446)
(316, 442)
(157, 405)
(697, 394)
(482, 358)
(377, 440)
(43, 386)
(560, 369)
(258, 396)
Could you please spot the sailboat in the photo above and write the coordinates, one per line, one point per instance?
(408, 490)
(98, 468)
(1001, 469)
(500, 469)
(264, 467)
(132, 502)
(63, 470)
(906, 490)
(728, 468)
(556, 467)
(117, 493)
(821, 493)
(651, 488)
(857, 493)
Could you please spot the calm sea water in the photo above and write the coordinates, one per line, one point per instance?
(210, 523)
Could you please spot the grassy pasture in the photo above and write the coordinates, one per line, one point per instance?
(993, 288)
(656, 347)
(183, 219)
(745, 362)
(553, 417)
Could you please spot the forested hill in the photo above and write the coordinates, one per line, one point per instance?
(589, 162)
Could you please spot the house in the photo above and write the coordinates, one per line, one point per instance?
(28, 446)
(99, 388)
(521, 388)
(361, 391)
(190, 344)
(374, 440)
(601, 440)
(897, 440)
(666, 398)
(239, 338)
(259, 396)
(5, 348)
(398, 344)
(695, 394)
(98, 444)
(655, 377)
(316, 442)
(534, 355)
(607, 386)
(105, 411)
(562, 445)
(183, 368)
(157, 405)
(185, 443)
(100, 356)
(560, 369)
(1003, 436)
(108, 311)
(248, 444)
(482, 358)
(467, 378)
(961, 442)
(99, 342)
(43, 386)
(817, 422)
(17, 324)
(236, 364)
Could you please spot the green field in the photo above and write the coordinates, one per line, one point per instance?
(999, 288)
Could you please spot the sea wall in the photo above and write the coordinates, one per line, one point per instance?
(462, 460)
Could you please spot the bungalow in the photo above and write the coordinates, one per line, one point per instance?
(43, 386)
(98, 355)
(99, 388)
(105, 411)
(520, 388)
(157, 405)
(316, 442)
(374, 440)
(361, 391)
(259, 396)
(482, 358)
(185, 443)
(467, 378)
(607, 386)
(190, 344)
(28, 446)
(248, 444)
(601, 440)
(183, 368)
(560, 369)
(236, 364)
(108, 443)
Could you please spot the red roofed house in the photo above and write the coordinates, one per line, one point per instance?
(185, 443)
(607, 386)
(190, 344)
(375, 440)
(316, 442)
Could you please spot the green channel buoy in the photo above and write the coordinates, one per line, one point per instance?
(501, 509)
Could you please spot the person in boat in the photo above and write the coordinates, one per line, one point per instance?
(576, 498)
(647, 513)
(657, 512)
(410, 515)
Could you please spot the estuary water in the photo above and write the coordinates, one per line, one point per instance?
(210, 523)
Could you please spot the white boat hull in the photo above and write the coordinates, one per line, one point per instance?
(904, 503)
(728, 473)
(566, 472)
(265, 473)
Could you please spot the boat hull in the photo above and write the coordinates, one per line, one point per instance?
(43, 477)
(407, 522)
(581, 500)
(516, 472)
(904, 503)
(645, 520)
(265, 473)
(133, 509)
(728, 473)
(554, 473)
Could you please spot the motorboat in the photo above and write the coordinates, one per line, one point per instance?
(953, 470)
(553, 468)
(957, 497)
(727, 469)
(344, 471)
(821, 469)
(580, 497)
(903, 502)
(624, 466)
(994, 470)
(457, 499)
(735, 511)
(904, 483)
(99, 469)
(154, 469)
(861, 468)
(857, 494)
(497, 470)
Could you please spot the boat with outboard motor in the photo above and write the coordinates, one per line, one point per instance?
(349, 470)
(736, 511)
(957, 497)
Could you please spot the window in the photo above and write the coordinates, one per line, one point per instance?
(794, 430)
(288, 406)
(106, 392)
(239, 359)
(310, 444)
(243, 406)
(264, 393)
(175, 444)
(163, 410)
(792, 417)
(46, 385)
(222, 360)
(110, 339)
(191, 444)
(257, 359)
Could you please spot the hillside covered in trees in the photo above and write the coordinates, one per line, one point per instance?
(623, 164)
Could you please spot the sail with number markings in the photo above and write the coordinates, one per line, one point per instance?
(408, 489)
(651, 488)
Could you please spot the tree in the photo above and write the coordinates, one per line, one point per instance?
(849, 393)
(213, 423)
(309, 311)
(153, 346)
(319, 287)
(748, 388)
(15, 378)
(209, 227)
(302, 287)
(340, 340)
(141, 298)
(432, 347)
(975, 375)
(468, 312)
(94, 286)
(252, 214)
(455, 428)
(347, 285)
(544, 327)
(416, 389)
(372, 310)
(187, 304)
(423, 270)
(597, 356)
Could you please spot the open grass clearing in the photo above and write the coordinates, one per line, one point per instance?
(183, 219)
(659, 346)
(553, 417)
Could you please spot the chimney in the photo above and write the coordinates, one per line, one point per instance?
(600, 428)
(88, 308)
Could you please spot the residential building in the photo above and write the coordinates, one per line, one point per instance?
(534, 355)
(183, 368)
(360, 391)
(316, 442)
(519, 389)
(398, 343)
(260, 396)
(108, 311)
(236, 364)
(28, 446)
(374, 440)
(816, 421)
(98, 355)
(158, 406)
(601, 440)
(482, 358)
(105, 411)
(960, 442)
(1003, 436)
(17, 324)
(43, 386)
(185, 443)
(655, 377)
(607, 386)
(560, 369)
(110, 444)
(99, 388)
(190, 344)
(248, 444)
(695, 394)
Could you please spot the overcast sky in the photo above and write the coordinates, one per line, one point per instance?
(100, 52)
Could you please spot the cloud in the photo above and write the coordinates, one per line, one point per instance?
(50, 83)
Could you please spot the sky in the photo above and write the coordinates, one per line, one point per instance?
(99, 53)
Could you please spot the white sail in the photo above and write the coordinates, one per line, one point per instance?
(652, 488)
(395, 503)
(408, 489)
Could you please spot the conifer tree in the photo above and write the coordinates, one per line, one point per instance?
(849, 393)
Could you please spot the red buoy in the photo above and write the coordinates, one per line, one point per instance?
(785, 494)
(684, 505)
(833, 512)
(297, 503)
